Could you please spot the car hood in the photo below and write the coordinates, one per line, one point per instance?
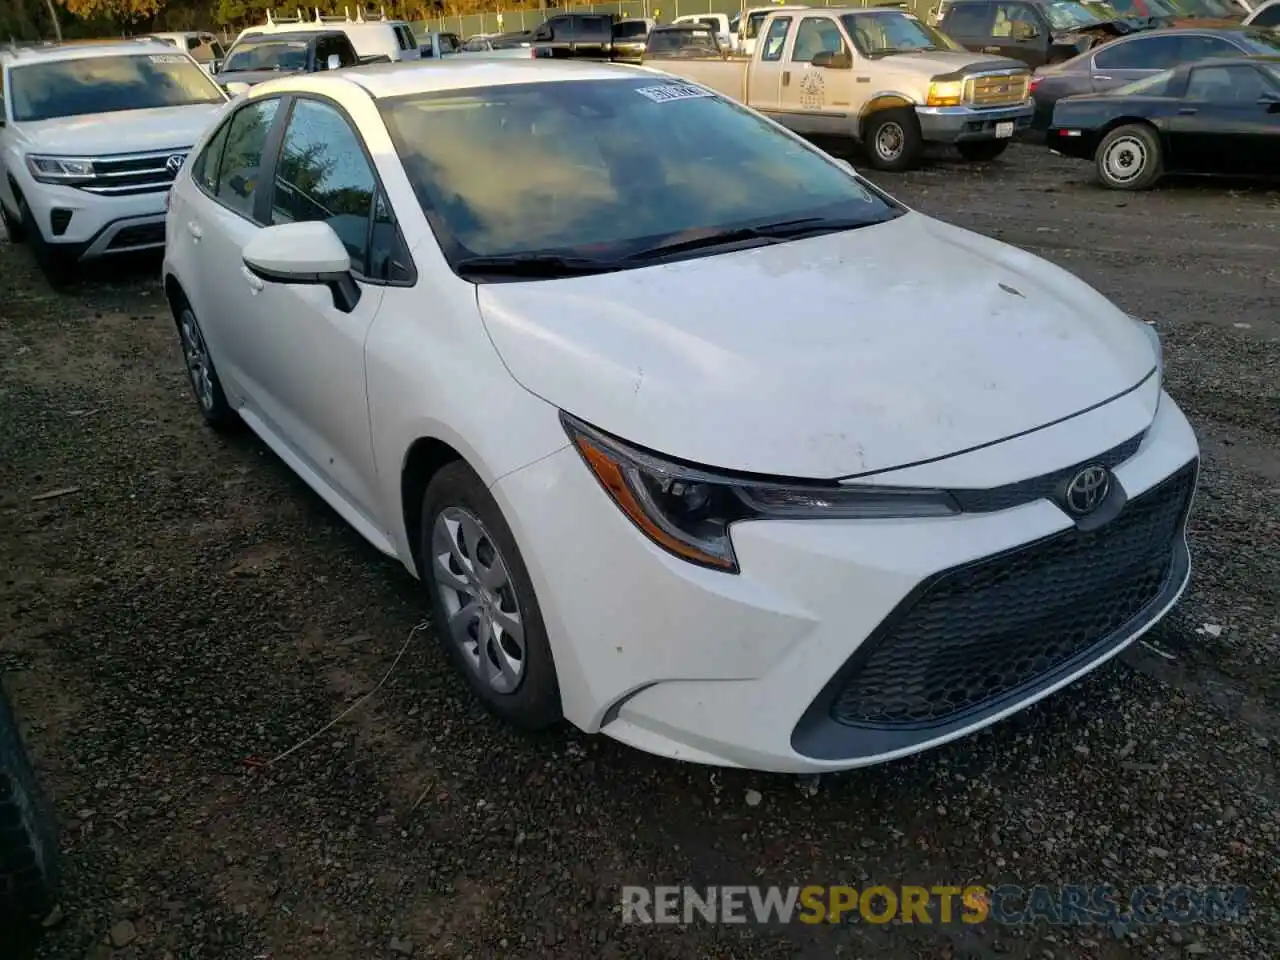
(949, 62)
(837, 355)
(126, 131)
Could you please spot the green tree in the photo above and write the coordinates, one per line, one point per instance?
(120, 11)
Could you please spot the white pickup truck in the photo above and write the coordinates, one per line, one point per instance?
(879, 77)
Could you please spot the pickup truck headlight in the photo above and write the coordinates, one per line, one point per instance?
(688, 510)
(946, 93)
(60, 169)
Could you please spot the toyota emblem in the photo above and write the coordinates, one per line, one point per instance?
(174, 163)
(1087, 489)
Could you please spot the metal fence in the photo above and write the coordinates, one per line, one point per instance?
(662, 10)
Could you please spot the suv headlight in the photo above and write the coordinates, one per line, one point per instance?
(946, 93)
(60, 169)
(688, 510)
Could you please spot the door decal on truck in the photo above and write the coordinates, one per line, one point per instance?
(813, 90)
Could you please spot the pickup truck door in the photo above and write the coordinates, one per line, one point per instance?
(816, 100)
(1021, 32)
(764, 77)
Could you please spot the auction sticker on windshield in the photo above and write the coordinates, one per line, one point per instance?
(165, 58)
(673, 91)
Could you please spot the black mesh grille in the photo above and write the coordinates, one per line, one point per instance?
(1041, 487)
(980, 632)
(146, 234)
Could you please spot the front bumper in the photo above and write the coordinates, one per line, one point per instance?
(97, 225)
(957, 124)
(752, 670)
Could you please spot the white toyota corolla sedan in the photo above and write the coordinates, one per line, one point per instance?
(694, 437)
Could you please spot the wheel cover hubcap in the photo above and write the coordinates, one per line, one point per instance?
(196, 355)
(479, 599)
(1125, 159)
(890, 140)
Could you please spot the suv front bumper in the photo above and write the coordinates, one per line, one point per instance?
(956, 124)
(97, 225)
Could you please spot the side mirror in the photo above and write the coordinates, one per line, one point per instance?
(1024, 31)
(333, 62)
(309, 253)
(833, 59)
(236, 88)
(544, 34)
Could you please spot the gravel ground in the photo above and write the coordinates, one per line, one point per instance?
(190, 605)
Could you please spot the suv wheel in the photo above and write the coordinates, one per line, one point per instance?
(1129, 158)
(483, 606)
(12, 224)
(54, 263)
(893, 141)
(28, 848)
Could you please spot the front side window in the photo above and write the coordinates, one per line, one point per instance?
(1009, 14)
(283, 55)
(1203, 47)
(323, 175)
(816, 35)
(1231, 84)
(884, 34)
(776, 39)
(605, 168)
(93, 85)
(240, 170)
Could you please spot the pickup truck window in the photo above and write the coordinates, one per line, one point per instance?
(882, 34)
(754, 23)
(268, 55)
(816, 35)
(776, 40)
(605, 168)
(968, 20)
(1009, 14)
(74, 88)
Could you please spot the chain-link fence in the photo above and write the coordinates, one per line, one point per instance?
(662, 10)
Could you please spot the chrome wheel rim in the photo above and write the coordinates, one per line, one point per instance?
(196, 355)
(890, 140)
(1125, 159)
(479, 599)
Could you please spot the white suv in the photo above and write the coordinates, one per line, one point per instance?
(91, 138)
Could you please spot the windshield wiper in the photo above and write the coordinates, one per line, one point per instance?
(769, 232)
(533, 265)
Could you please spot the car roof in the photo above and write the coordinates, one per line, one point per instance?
(293, 35)
(84, 51)
(380, 80)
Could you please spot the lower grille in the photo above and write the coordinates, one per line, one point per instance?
(998, 90)
(132, 174)
(982, 632)
(142, 235)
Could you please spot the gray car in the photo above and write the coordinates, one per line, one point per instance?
(1141, 55)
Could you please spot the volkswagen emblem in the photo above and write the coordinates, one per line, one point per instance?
(174, 163)
(1087, 489)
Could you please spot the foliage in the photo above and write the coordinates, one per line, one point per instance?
(118, 10)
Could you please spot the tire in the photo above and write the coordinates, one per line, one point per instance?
(1129, 158)
(12, 224)
(982, 151)
(201, 373)
(463, 538)
(892, 140)
(56, 266)
(28, 842)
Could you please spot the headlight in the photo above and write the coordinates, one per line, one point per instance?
(948, 93)
(688, 510)
(60, 169)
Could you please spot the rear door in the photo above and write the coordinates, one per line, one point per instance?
(764, 78)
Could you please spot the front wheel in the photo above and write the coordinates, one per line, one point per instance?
(1129, 158)
(981, 151)
(28, 849)
(53, 262)
(893, 140)
(483, 605)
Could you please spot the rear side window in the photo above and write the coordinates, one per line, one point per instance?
(1141, 53)
(630, 30)
(594, 28)
(240, 169)
(967, 20)
(204, 171)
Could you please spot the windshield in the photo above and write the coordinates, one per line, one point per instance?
(883, 33)
(1069, 15)
(601, 169)
(684, 41)
(1152, 86)
(73, 88)
(267, 55)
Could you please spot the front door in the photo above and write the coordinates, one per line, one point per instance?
(1019, 31)
(764, 83)
(816, 99)
(1228, 121)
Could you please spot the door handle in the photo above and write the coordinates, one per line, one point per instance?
(1100, 76)
(786, 78)
(990, 49)
(255, 282)
(1186, 111)
(194, 229)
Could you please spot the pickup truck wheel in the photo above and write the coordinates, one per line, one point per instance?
(893, 140)
(981, 151)
(28, 849)
(1129, 158)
